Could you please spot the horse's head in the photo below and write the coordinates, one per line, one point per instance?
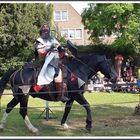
(88, 65)
(107, 68)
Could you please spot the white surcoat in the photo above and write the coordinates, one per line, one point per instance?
(47, 72)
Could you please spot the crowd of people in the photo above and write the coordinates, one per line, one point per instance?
(127, 77)
(128, 74)
(126, 69)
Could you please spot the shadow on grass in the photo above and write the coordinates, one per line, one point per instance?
(108, 120)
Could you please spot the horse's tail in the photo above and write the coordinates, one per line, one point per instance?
(5, 79)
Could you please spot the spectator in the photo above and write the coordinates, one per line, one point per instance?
(118, 64)
(100, 77)
(124, 74)
(129, 66)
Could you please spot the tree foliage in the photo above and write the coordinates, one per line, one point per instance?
(121, 19)
(19, 27)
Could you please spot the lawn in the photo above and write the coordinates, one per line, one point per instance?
(113, 115)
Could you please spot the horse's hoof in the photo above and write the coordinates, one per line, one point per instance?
(34, 130)
(65, 126)
(88, 129)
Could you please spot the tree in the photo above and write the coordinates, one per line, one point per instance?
(118, 18)
(19, 27)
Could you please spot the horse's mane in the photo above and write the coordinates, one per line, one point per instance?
(86, 58)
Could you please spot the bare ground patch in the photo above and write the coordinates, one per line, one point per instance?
(73, 124)
(119, 121)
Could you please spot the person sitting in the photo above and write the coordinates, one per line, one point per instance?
(129, 66)
(46, 49)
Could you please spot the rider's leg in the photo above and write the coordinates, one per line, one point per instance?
(61, 87)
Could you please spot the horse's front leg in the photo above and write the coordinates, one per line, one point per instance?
(66, 112)
(9, 108)
(82, 101)
(23, 111)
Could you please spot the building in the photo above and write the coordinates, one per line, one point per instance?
(68, 21)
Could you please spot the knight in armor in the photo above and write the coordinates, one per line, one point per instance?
(46, 48)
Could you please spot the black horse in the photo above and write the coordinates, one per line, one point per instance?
(79, 71)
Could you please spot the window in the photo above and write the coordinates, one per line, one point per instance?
(57, 15)
(64, 15)
(72, 33)
(78, 33)
(64, 33)
(60, 15)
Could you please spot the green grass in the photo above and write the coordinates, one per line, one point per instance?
(112, 116)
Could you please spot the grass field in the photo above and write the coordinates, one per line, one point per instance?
(113, 115)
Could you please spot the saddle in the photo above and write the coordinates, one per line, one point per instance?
(25, 76)
(33, 80)
(36, 70)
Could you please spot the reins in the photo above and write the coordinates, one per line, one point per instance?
(85, 65)
(89, 66)
(70, 54)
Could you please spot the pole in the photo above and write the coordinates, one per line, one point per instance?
(47, 110)
(137, 108)
(139, 80)
(139, 83)
(0, 104)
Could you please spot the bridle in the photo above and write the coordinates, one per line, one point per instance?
(107, 60)
(76, 58)
(91, 69)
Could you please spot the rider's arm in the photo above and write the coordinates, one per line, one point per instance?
(40, 49)
(56, 43)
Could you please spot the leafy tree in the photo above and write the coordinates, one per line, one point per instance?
(19, 27)
(121, 19)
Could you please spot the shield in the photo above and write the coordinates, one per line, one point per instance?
(72, 48)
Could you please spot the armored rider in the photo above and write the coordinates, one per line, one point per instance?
(46, 48)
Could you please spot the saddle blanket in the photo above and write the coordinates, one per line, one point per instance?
(37, 88)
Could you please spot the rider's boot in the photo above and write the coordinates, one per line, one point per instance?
(61, 89)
